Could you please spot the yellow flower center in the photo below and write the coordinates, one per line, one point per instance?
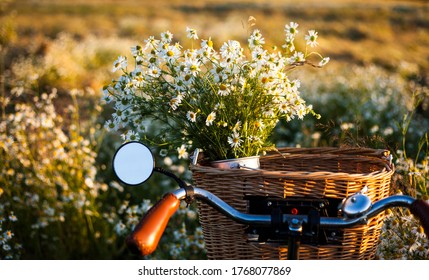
(222, 87)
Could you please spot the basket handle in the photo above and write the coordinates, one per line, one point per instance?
(420, 209)
(146, 235)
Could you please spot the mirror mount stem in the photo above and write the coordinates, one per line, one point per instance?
(179, 181)
(188, 188)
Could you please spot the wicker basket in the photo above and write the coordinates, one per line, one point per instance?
(316, 173)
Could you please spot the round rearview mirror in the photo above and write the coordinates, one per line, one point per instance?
(133, 163)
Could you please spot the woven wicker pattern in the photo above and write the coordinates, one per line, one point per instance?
(293, 172)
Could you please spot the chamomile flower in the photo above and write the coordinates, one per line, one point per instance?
(172, 53)
(256, 39)
(301, 113)
(269, 113)
(8, 235)
(182, 153)
(289, 45)
(6, 247)
(237, 126)
(207, 44)
(163, 152)
(120, 63)
(235, 140)
(12, 217)
(166, 36)
(154, 71)
(130, 136)
(120, 228)
(311, 38)
(192, 66)
(223, 90)
(231, 51)
(284, 107)
(291, 29)
(191, 33)
(176, 101)
(297, 57)
(210, 118)
(138, 53)
(191, 116)
(151, 42)
(259, 124)
(324, 61)
(294, 85)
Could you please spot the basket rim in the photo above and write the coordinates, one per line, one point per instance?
(292, 174)
(378, 157)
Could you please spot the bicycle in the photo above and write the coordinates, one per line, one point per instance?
(133, 164)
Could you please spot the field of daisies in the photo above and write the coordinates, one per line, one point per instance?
(59, 198)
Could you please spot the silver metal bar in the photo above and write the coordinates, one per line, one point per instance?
(265, 220)
(389, 202)
(376, 208)
(224, 208)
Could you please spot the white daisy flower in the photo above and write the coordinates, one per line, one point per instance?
(120, 63)
(311, 38)
(234, 140)
(191, 33)
(191, 116)
(324, 61)
(182, 153)
(210, 118)
(291, 29)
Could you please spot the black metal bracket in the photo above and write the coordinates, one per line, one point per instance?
(280, 231)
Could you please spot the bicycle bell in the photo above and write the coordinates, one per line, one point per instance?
(356, 205)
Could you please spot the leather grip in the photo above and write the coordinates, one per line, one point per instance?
(146, 235)
(420, 209)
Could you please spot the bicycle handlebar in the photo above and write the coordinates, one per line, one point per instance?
(145, 237)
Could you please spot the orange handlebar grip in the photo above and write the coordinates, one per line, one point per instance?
(146, 235)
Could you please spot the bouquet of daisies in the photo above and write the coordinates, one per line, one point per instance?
(225, 102)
